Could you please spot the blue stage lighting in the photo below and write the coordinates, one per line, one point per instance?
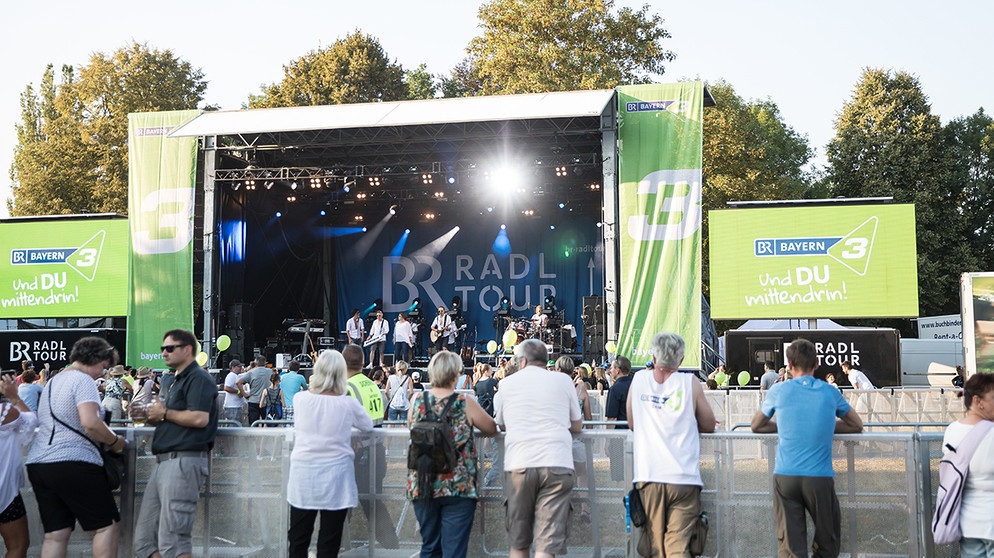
(279, 214)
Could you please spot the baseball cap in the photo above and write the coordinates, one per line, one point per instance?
(552, 363)
(416, 375)
(234, 363)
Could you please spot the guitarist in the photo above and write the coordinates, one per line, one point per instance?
(378, 330)
(442, 329)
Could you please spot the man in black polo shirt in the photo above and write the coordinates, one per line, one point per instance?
(184, 434)
(617, 398)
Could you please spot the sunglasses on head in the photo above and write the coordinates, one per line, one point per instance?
(171, 348)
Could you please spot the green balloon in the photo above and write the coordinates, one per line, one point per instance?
(491, 346)
(510, 337)
(744, 378)
(721, 378)
(223, 343)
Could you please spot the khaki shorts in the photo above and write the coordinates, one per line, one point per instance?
(538, 508)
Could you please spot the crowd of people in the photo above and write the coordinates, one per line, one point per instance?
(538, 404)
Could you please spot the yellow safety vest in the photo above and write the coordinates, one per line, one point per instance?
(368, 394)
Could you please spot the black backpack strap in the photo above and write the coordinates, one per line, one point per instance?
(445, 412)
(51, 411)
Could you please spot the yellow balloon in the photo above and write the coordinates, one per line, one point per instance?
(223, 343)
(611, 347)
(510, 336)
(491, 346)
(202, 358)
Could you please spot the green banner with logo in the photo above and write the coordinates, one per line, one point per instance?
(161, 186)
(659, 191)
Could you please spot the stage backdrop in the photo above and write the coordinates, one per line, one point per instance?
(479, 263)
(659, 165)
(161, 182)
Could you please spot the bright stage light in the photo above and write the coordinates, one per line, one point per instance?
(393, 210)
(323, 213)
(293, 185)
(279, 214)
(364, 229)
(503, 227)
(407, 231)
(451, 180)
(562, 205)
(552, 227)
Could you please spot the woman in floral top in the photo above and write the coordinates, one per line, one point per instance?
(453, 499)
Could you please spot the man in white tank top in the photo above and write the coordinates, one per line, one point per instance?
(667, 411)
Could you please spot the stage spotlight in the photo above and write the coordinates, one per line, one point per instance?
(291, 198)
(236, 186)
(360, 196)
(374, 181)
(549, 304)
(414, 311)
(595, 187)
(315, 183)
(293, 185)
(439, 195)
(323, 213)
(347, 186)
(503, 227)
(279, 214)
(505, 306)
(358, 218)
(407, 231)
(599, 224)
(364, 229)
(528, 212)
(393, 210)
(268, 184)
(490, 210)
(426, 179)
(561, 171)
(562, 205)
(451, 180)
(552, 227)
(430, 216)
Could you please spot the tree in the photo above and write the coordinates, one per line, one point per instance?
(420, 83)
(749, 153)
(530, 46)
(464, 81)
(352, 70)
(888, 143)
(72, 152)
(971, 143)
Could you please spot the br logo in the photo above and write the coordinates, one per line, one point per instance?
(677, 203)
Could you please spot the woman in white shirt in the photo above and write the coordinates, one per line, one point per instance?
(403, 338)
(978, 490)
(322, 475)
(17, 426)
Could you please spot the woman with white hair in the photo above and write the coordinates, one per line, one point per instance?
(322, 474)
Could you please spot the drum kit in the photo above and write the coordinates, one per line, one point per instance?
(524, 328)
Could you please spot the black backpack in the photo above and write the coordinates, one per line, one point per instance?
(431, 451)
(485, 396)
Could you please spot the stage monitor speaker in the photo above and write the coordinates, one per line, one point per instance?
(388, 359)
(593, 308)
(240, 316)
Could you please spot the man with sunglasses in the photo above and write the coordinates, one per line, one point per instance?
(185, 426)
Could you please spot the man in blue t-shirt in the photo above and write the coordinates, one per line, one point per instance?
(291, 383)
(808, 412)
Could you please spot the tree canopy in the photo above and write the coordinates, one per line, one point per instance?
(749, 153)
(355, 69)
(72, 150)
(888, 143)
(530, 46)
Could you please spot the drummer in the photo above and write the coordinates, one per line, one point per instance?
(539, 320)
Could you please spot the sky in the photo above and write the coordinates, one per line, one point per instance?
(805, 56)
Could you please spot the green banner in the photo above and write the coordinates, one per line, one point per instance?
(161, 186)
(659, 191)
(838, 261)
(64, 269)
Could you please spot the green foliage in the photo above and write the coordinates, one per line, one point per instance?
(530, 46)
(888, 143)
(464, 81)
(72, 151)
(420, 83)
(970, 141)
(354, 69)
(749, 153)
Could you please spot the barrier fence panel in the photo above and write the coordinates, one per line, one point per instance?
(885, 482)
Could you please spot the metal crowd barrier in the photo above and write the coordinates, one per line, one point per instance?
(885, 482)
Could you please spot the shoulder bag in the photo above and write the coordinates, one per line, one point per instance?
(114, 466)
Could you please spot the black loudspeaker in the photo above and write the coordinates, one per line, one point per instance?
(239, 329)
(564, 339)
(593, 310)
(594, 339)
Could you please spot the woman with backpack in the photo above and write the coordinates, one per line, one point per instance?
(450, 499)
(271, 402)
(977, 538)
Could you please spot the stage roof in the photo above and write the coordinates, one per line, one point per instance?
(568, 104)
